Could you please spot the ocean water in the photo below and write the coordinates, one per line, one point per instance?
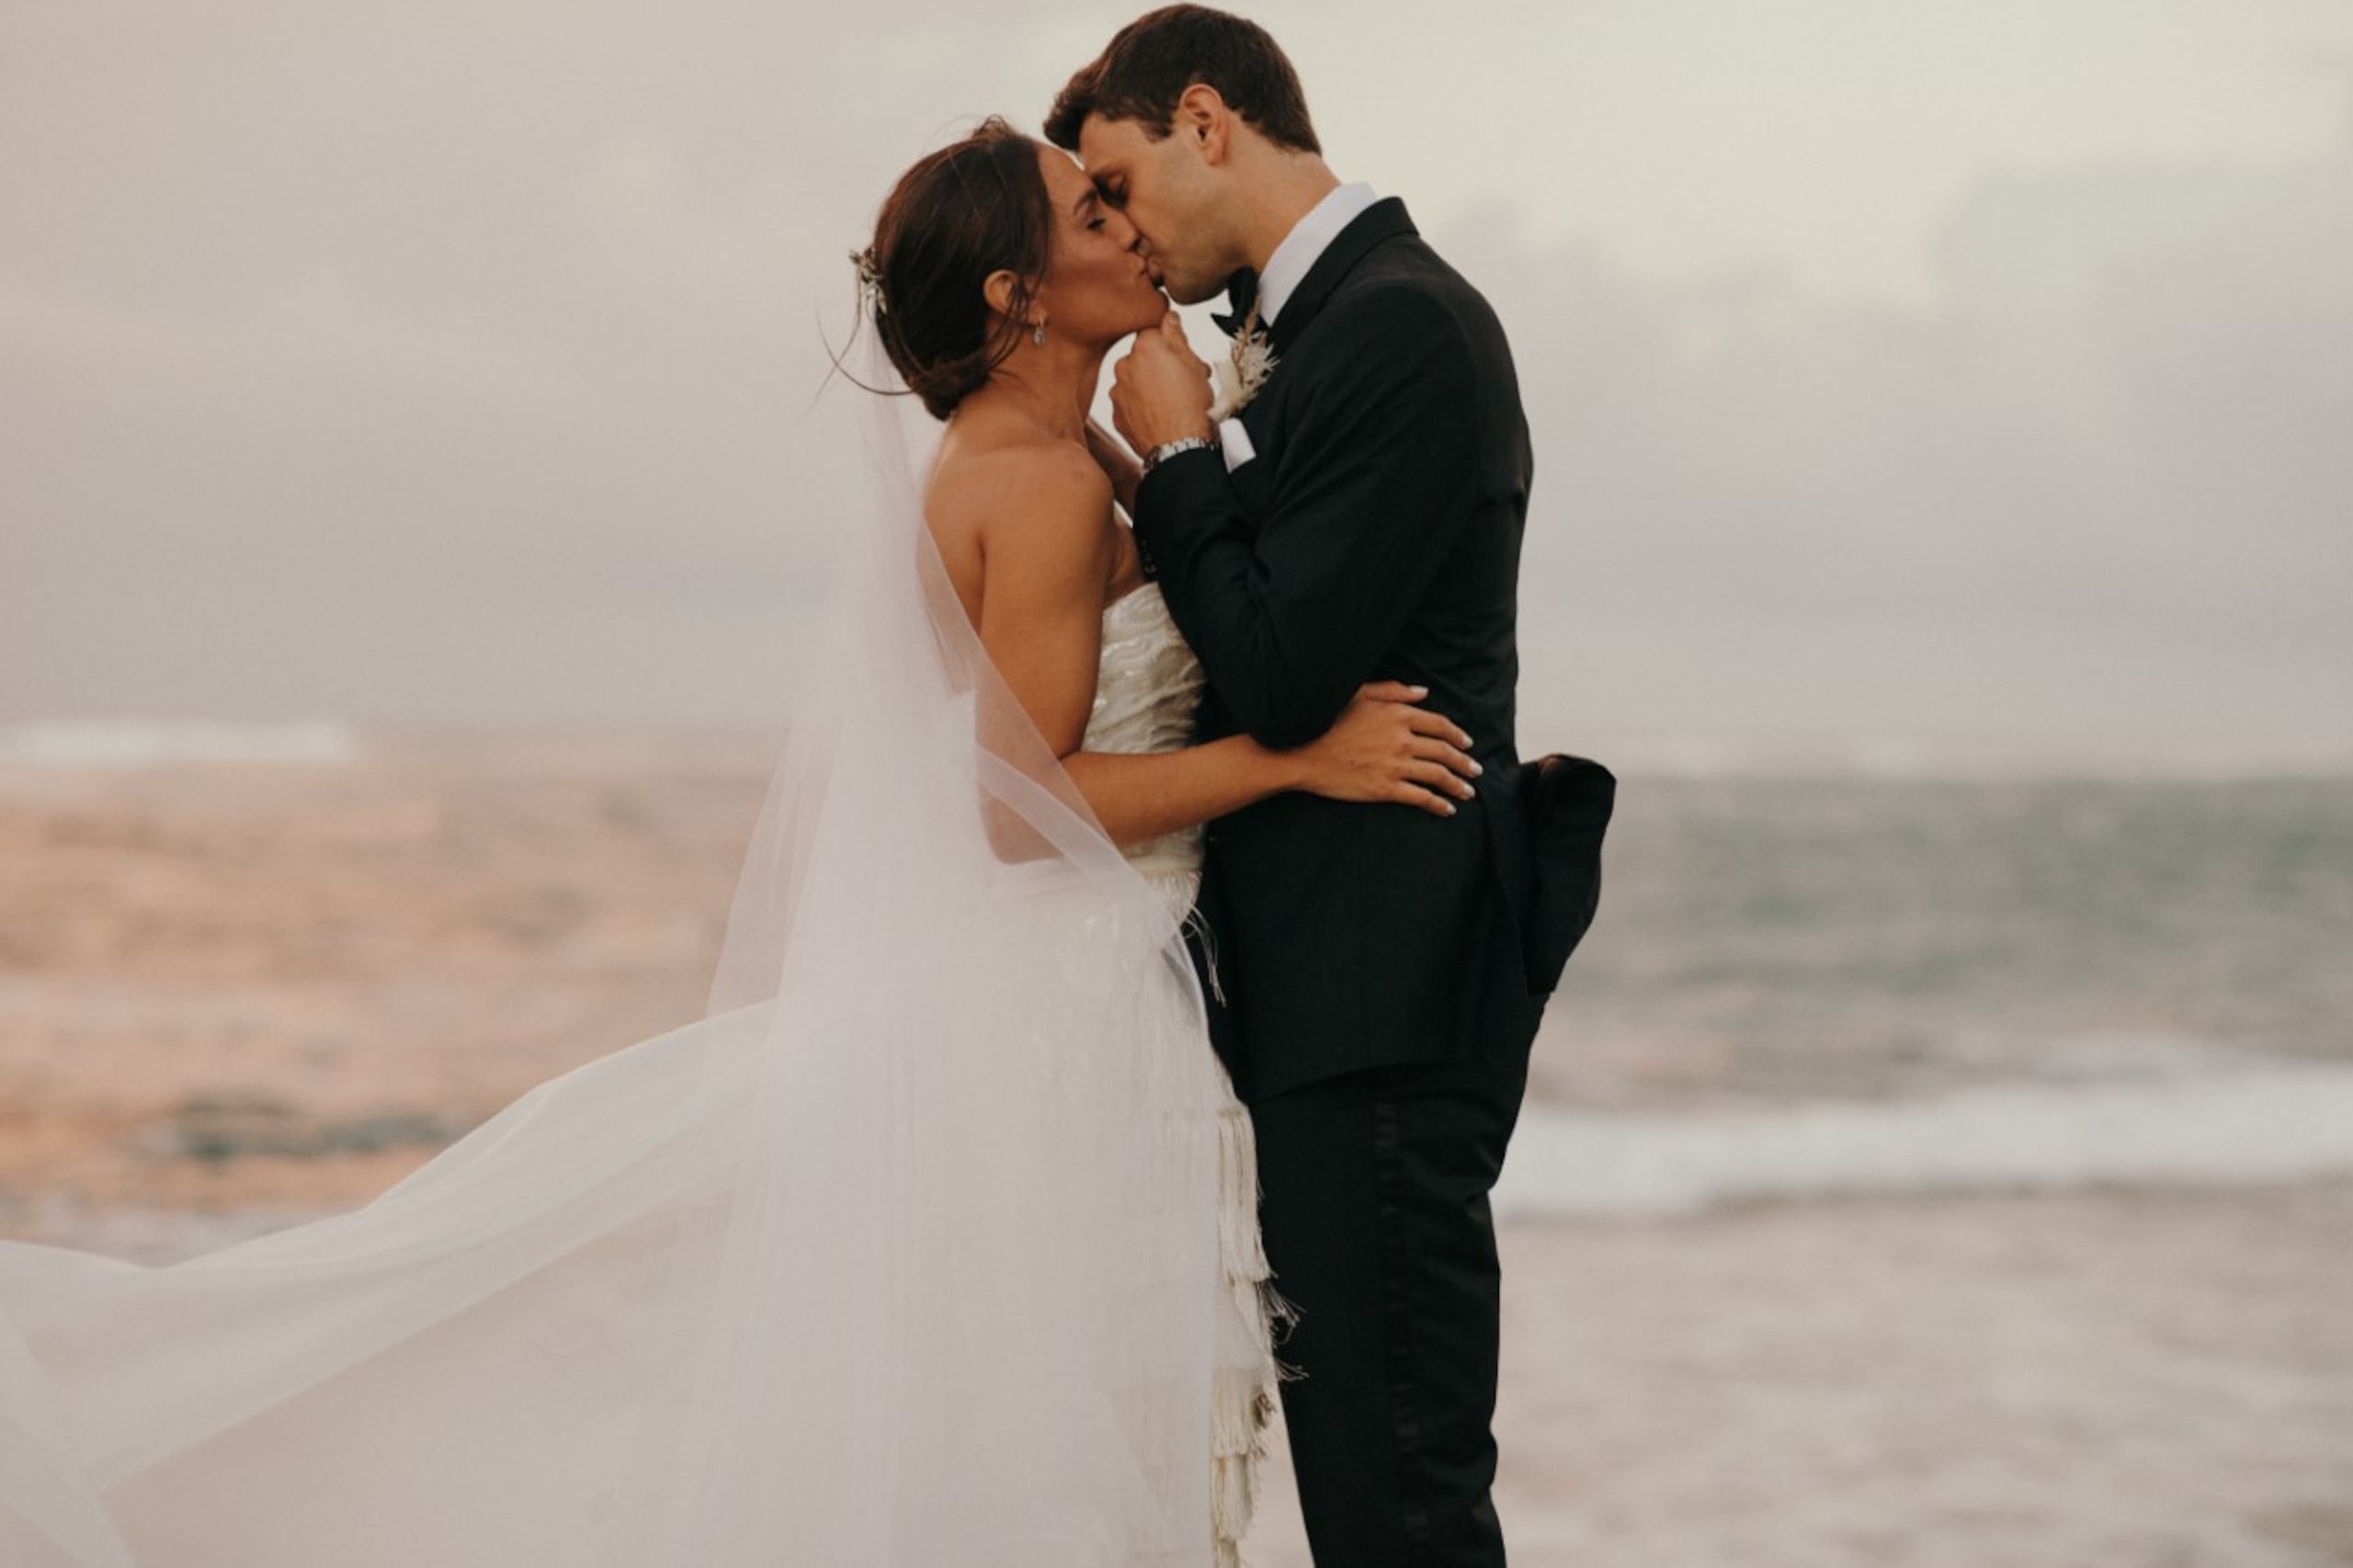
(1813, 987)
(1765, 937)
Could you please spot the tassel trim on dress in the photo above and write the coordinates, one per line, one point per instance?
(1243, 1399)
(1199, 927)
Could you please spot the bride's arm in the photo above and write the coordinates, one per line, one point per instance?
(1046, 564)
(1380, 749)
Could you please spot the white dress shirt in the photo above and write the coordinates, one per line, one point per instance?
(1286, 269)
(1308, 240)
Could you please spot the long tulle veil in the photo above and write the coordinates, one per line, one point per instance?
(903, 1253)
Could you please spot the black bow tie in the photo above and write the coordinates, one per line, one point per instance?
(1240, 294)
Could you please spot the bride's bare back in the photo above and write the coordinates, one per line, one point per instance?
(1026, 528)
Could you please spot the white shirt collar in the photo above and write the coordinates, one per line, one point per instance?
(1307, 239)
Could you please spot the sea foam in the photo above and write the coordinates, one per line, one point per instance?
(2246, 1126)
(148, 742)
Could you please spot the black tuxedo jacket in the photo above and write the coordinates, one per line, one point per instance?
(1376, 536)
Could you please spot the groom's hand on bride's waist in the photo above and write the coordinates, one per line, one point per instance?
(1160, 391)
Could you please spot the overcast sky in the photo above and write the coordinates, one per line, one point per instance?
(1958, 376)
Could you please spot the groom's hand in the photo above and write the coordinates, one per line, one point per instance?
(1160, 392)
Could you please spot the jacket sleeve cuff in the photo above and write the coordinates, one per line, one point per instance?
(1176, 499)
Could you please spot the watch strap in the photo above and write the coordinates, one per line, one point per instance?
(1167, 449)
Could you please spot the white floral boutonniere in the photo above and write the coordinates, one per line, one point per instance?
(1246, 370)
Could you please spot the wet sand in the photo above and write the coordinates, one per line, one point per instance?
(2118, 1380)
(2088, 1381)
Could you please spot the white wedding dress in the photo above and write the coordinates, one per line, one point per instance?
(1147, 685)
(940, 1249)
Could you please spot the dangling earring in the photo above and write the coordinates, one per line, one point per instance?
(1039, 336)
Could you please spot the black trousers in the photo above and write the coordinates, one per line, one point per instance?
(1376, 1218)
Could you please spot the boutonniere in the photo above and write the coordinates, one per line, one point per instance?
(1245, 368)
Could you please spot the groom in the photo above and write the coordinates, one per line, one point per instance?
(1383, 968)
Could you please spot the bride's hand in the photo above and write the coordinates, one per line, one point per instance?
(1382, 748)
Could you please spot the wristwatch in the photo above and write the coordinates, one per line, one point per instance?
(1167, 449)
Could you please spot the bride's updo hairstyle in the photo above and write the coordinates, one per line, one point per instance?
(974, 208)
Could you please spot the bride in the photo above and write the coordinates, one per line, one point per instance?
(933, 1242)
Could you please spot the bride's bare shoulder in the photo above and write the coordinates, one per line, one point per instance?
(1012, 494)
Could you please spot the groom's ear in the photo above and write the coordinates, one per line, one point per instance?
(1203, 118)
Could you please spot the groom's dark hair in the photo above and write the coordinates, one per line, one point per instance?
(1149, 63)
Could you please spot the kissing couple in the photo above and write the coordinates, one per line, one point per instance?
(1122, 1016)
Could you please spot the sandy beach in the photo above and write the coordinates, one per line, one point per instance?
(2157, 1381)
(232, 996)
